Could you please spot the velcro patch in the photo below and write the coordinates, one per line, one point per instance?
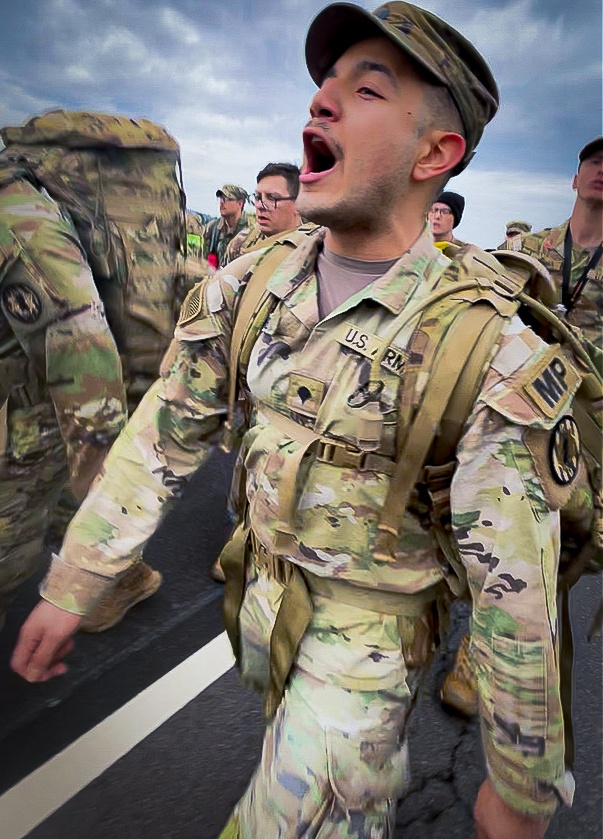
(305, 394)
(21, 302)
(551, 381)
(564, 451)
(191, 306)
(368, 345)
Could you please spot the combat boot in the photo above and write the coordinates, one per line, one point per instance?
(459, 690)
(139, 582)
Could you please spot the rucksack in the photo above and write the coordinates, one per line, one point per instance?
(120, 181)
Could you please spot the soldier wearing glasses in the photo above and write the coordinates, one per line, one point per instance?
(446, 214)
(274, 197)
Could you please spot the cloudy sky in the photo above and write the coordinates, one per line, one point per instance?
(228, 80)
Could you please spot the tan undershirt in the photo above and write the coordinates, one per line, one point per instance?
(339, 277)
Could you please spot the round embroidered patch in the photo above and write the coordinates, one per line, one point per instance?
(564, 451)
(22, 303)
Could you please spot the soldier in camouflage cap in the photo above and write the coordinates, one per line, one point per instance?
(337, 630)
(218, 233)
(516, 228)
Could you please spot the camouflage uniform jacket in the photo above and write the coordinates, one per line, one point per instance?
(216, 237)
(55, 344)
(547, 246)
(252, 240)
(316, 374)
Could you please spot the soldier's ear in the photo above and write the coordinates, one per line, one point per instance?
(438, 153)
(575, 182)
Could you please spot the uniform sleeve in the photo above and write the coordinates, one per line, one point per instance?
(504, 498)
(52, 306)
(177, 423)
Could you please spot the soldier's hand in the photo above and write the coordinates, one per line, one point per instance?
(496, 820)
(44, 641)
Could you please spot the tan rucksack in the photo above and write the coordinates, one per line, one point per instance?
(120, 181)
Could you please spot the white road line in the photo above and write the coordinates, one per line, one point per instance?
(36, 797)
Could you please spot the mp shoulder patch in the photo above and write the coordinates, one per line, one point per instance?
(551, 382)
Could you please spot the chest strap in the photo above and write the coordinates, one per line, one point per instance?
(325, 450)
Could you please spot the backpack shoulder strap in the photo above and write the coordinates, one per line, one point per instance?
(252, 310)
(453, 386)
(486, 294)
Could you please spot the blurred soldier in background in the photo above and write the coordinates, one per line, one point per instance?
(446, 214)
(62, 400)
(514, 230)
(219, 233)
(572, 252)
(119, 181)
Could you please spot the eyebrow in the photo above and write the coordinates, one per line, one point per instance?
(366, 66)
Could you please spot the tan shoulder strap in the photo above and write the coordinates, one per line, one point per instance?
(451, 391)
(252, 310)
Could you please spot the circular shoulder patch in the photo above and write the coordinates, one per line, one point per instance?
(22, 303)
(564, 451)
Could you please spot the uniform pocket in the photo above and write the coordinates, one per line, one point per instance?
(367, 771)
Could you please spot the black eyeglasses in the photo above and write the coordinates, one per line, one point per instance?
(269, 201)
(440, 211)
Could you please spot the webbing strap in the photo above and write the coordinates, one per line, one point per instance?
(566, 671)
(476, 327)
(252, 298)
(373, 600)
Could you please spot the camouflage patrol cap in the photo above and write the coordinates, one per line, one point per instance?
(439, 52)
(232, 191)
(518, 227)
(591, 148)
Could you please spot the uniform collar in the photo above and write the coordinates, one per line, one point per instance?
(423, 262)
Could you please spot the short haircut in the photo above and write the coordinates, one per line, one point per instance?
(440, 112)
(288, 171)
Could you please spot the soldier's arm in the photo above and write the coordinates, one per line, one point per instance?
(50, 300)
(175, 426)
(504, 498)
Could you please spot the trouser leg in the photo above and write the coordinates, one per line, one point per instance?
(332, 766)
(28, 492)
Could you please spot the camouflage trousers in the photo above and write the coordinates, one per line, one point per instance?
(32, 471)
(334, 761)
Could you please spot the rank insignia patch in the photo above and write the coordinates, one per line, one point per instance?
(22, 303)
(564, 451)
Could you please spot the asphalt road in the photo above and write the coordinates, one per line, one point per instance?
(182, 780)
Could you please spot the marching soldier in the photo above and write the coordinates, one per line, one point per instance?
(330, 601)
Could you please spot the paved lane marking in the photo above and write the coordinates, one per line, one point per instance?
(28, 803)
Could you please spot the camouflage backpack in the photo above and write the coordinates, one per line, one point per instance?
(120, 181)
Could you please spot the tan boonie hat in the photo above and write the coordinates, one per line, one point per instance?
(518, 227)
(441, 54)
(232, 191)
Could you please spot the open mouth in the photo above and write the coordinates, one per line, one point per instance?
(320, 157)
